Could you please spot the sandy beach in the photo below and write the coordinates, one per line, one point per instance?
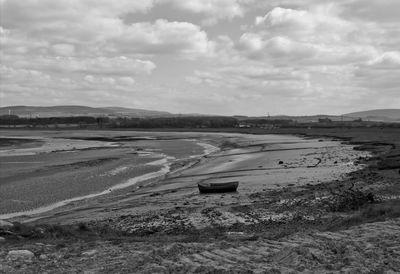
(69, 170)
(301, 204)
(63, 169)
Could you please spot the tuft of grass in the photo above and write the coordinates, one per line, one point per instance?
(371, 213)
(351, 200)
(388, 209)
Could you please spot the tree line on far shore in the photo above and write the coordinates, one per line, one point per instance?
(125, 122)
(174, 122)
(16, 120)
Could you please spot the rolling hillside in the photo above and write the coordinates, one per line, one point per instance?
(58, 111)
(120, 111)
(378, 115)
(384, 115)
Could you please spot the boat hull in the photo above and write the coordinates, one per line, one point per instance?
(218, 187)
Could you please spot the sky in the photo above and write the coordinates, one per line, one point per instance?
(225, 57)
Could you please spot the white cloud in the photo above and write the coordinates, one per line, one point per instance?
(88, 27)
(256, 78)
(63, 49)
(381, 73)
(276, 47)
(319, 22)
(33, 14)
(249, 57)
(315, 36)
(213, 10)
(313, 56)
(162, 37)
(383, 11)
(387, 60)
(126, 81)
(84, 47)
(89, 78)
(99, 65)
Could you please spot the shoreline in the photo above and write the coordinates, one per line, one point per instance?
(165, 171)
(166, 163)
(130, 182)
(152, 185)
(322, 227)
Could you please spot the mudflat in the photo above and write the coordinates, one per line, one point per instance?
(71, 167)
(313, 204)
(57, 167)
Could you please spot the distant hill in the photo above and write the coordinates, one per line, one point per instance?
(381, 115)
(377, 115)
(314, 118)
(300, 119)
(133, 112)
(59, 111)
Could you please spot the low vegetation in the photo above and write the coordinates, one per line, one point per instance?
(177, 122)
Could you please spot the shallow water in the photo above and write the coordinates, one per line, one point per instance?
(63, 170)
(55, 176)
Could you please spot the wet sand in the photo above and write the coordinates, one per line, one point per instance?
(62, 169)
(258, 162)
(348, 224)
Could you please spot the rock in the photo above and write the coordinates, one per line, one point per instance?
(89, 252)
(24, 255)
(5, 224)
(40, 230)
(43, 257)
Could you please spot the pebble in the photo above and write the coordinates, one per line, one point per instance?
(89, 252)
(24, 255)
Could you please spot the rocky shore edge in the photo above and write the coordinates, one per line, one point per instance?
(349, 225)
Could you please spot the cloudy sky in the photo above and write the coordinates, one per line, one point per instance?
(226, 57)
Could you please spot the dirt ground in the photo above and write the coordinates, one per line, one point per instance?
(347, 224)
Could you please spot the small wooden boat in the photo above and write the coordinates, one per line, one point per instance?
(207, 187)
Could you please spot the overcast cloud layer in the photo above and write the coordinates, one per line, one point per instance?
(207, 56)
